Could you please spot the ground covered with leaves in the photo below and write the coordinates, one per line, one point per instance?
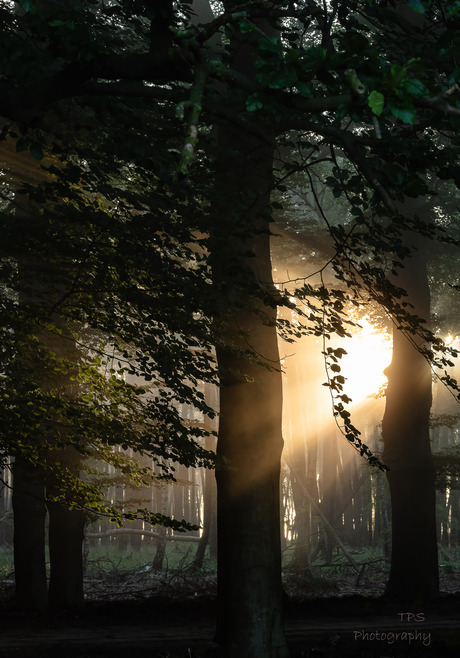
(331, 610)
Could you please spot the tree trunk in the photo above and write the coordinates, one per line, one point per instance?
(414, 560)
(66, 535)
(296, 393)
(207, 520)
(249, 620)
(329, 486)
(301, 526)
(249, 607)
(29, 536)
(312, 487)
(66, 526)
(208, 505)
(160, 553)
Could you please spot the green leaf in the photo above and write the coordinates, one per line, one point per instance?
(313, 58)
(398, 74)
(28, 5)
(59, 23)
(417, 6)
(376, 102)
(341, 111)
(417, 64)
(245, 26)
(281, 79)
(415, 87)
(304, 88)
(404, 114)
(273, 45)
(254, 103)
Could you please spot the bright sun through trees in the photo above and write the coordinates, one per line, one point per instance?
(368, 354)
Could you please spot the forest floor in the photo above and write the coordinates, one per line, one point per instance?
(171, 615)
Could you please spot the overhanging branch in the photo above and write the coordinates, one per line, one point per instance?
(350, 145)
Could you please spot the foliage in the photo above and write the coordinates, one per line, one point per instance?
(122, 220)
(106, 306)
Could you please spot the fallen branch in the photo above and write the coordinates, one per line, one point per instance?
(135, 531)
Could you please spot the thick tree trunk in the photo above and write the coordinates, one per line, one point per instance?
(414, 560)
(249, 609)
(249, 620)
(29, 536)
(66, 526)
(66, 535)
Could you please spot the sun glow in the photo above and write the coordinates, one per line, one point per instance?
(368, 354)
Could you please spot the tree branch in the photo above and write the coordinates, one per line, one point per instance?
(196, 107)
(29, 102)
(136, 89)
(439, 104)
(350, 144)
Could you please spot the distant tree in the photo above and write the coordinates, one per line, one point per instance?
(407, 449)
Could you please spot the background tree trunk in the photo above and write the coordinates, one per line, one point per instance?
(160, 553)
(29, 535)
(209, 521)
(407, 452)
(329, 485)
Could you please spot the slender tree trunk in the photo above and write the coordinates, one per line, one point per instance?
(301, 506)
(329, 485)
(414, 560)
(249, 608)
(312, 486)
(29, 535)
(160, 553)
(296, 391)
(207, 520)
(208, 505)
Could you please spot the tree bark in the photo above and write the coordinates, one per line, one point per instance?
(29, 536)
(414, 559)
(249, 607)
(66, 535)
(66, 526)
(249, 618)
